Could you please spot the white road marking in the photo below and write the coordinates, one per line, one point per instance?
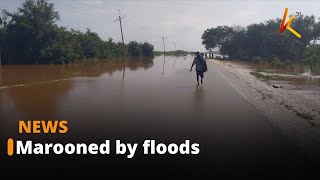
(237, 89)
(42, 82)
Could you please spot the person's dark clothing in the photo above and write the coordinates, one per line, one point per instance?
(201, 64)
(200, 73)
(201, 67)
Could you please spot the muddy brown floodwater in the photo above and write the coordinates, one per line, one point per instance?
(151, 99)
(87, 90)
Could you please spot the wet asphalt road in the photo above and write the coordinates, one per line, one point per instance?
(156, 102)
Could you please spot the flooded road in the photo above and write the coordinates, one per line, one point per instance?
(152, 100)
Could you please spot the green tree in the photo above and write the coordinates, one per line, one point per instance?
(147, 49)
(91, 44)
(30, 30)
(312, 57)
(216, 37)
(31, 36)
(134, 48)
(113, 49)
(63, 49)
(236, 45)
(263, 41)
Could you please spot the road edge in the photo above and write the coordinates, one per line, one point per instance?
(297, 129)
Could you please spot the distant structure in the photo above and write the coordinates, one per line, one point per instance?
(209, 55)
(214, 55)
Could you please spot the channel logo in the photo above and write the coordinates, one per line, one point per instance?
(285, 26)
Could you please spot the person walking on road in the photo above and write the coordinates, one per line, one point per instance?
(201, 66)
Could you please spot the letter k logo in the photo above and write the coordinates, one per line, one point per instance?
(287, 25)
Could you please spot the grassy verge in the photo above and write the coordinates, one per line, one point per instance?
(259, 75)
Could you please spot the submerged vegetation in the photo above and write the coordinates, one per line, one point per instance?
(263, 43)
(260, 75)
(31, 36)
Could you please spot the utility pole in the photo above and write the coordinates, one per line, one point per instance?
(183, 53)
(0, 58)
(164, 46)
(175, 47)
(0, 44)
(124, 46)
(164, 53)
(0, 68)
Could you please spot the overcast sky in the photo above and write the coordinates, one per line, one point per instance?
(182, 22)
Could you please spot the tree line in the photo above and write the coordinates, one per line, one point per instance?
(31, 36)
(263, 42)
